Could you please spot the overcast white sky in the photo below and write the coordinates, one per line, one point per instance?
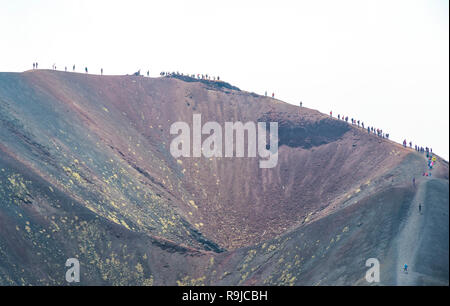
(384, 62)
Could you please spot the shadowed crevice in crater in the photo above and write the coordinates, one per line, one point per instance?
(304, 133)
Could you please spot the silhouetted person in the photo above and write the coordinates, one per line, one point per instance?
(148, 72)
(85, 69)
(73, 68)
(420, 208)
(101, 71)
(65, 68)
(34, 65)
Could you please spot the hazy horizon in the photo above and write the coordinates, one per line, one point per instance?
(383, 62)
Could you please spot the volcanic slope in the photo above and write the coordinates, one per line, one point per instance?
(86, 172)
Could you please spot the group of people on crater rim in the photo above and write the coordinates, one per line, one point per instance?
(198, 76)
(380, 133)
(370, 129)
(35, 66)
(163, 73)
(431, 160)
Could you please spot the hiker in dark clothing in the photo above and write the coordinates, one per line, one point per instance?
(101, 71)
(85, 69)
(420, 208)
(73, 68)
(34, 65)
